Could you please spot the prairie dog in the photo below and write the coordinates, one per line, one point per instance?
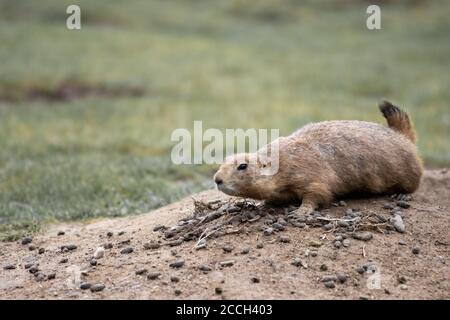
(325, 160)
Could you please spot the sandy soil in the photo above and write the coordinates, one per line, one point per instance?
(266, 272)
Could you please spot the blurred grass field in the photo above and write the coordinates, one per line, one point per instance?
(105, 151)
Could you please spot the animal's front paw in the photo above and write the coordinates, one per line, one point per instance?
(304, 210)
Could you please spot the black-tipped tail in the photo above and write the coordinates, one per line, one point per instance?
(398, 120)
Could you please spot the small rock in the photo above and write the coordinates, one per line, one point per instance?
(342, 203)
(159, 227)
(28, 265)
(93, 262)
(402, 242)
(33, 270)
(85, 286)
(61, 233)
(227, 248)
(41, 250)
(31, 248)
(268, 231)
(338, 244)
(141, 272)
(9, 267)
(315, 243)
(298, 224)
(403, 287)
(388, 206)
(227, 263)
(108, 245)
(177, 292)
(254, 279)
(323, 267)
(259, 245)
(314, 253)
(99, 252)
(401, 279)
(51, 276)
(151, 246)
(69, 247)
(343, 224)
(398, 223)
(360, 270)
(109, 234)
(63, 260)
(26, 240)
(278, 226)
(174, 279)
(342, 277)
(121, 233)
(328, 226)
(416, 250)
(153, 275)
(39, 276)
(127, 250)
(329, 278)
(346, 243)
(284, 239)
(364, 298)
(204, 268)
(97, 287)
(218, 290)
(177, 264)
(329, 284)
(403, 204)
(363, 236)
(245, 250)
(297, 262)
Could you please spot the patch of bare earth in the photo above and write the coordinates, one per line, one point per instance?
(219, 247)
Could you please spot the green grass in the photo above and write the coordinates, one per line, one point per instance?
(229, 63)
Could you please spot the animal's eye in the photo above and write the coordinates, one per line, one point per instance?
(242, 166)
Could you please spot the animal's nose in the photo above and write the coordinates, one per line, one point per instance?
(218, 181)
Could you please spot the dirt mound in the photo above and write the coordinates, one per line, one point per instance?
(218, 247)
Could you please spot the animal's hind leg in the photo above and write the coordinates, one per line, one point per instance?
(313, 196)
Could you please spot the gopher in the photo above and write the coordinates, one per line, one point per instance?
(327, 160)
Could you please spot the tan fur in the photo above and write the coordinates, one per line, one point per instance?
(330, 159)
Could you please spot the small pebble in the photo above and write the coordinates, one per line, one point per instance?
(245, 250)
(85, 286)
(403, 287)
(121, 233)
(342, 203)
(363, 236)
(109, 234)
(314, 253)
(177, 292)
(268, 231)
(416, 250)
(328, 226)
(360, 270)
(346, 243)
(141, 272)
(33, 270)
(97, 287)
(99, 252)
(31, 248)
(51, 276)
(342, 277)
(69, 247)
(127, 250)
(403, 204)
(284, 239)
(401, 279)
(329, 284)
(227, 263)
(218, 290)
(151, 246)
(63, 260)
(254, 280)
(227, 248)
(174, 279)
(108, 245)
(28, 265)
(388, 206)
(402, 242)
(398, 223)
(39, 276)
(61, 233)
(153, 275)
(159, 227)
(177, 264)
(93, 262)
(323, 267)
(41, 250)
(205, 268)
(26, 240)
(329, 278)
(259, 245)
(338, 244)
(9, 267)
(278, 226)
